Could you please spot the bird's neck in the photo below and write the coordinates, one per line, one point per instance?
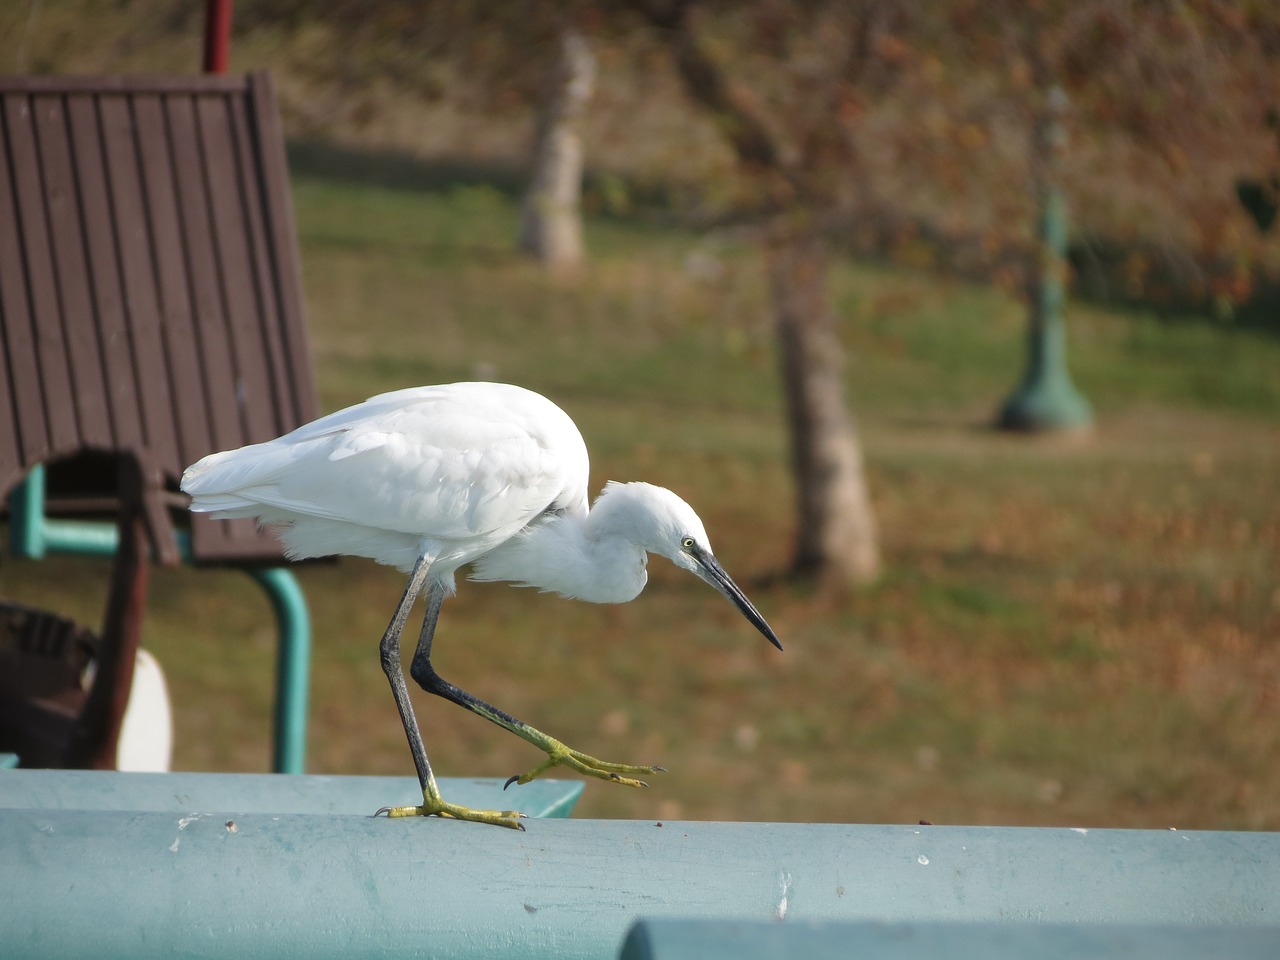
(574, 556)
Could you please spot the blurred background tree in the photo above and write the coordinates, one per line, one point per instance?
(551, 216)
(793, 128)
(1169, 101)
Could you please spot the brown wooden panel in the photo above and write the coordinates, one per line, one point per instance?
(192, 420)
(75, 317)
(278, 405)
(282, 246)
(115, 358)
(21, 422)
(49, 359)
(135, 244)
(150, 300)
(144, 83)
(231, 252)
(202, 278)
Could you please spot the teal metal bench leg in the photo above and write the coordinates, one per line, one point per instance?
(32, 536)
(293, 669)
(26, 516)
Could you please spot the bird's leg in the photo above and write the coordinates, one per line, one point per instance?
(558, 754)
(432, 803)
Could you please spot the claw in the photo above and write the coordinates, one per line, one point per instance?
(560, 755)
(434, 806)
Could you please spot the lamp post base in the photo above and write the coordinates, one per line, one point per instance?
(1046, 404)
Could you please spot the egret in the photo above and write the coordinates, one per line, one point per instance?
(432, 479)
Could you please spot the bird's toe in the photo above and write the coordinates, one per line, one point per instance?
(432, 807)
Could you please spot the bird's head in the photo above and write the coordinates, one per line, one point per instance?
(658, 521)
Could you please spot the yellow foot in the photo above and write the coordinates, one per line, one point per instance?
(558, 755)
(435, 807)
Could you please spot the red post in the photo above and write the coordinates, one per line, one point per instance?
(217, 35)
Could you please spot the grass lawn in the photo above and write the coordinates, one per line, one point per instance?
(1082, 633)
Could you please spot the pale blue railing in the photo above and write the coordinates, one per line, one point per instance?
(111, 865)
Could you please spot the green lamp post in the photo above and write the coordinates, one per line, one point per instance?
(1046, 399)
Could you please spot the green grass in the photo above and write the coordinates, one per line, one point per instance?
(1081, 633)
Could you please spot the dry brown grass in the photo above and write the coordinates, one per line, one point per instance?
(1080, 634)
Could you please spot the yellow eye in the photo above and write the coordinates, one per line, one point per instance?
(687, 543)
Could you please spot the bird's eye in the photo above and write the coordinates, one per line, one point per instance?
(687, 543)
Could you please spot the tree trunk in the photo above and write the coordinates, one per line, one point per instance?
(837, 539)
(551, 220)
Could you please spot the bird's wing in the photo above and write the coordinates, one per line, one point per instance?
(442, 463)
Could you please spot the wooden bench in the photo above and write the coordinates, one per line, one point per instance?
(150, 313)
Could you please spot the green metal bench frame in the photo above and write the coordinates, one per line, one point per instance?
(32, 536)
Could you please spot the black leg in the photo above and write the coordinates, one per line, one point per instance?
(432, 803)
(424, 674)
(390, 651)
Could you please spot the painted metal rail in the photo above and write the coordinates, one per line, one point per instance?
(748, 940)
(218, 866)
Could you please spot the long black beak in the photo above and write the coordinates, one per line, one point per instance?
(710, 570)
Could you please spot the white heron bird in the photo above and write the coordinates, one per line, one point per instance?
(431, 479)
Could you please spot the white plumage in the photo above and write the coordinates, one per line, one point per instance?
(431, 479)
(451, 470)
